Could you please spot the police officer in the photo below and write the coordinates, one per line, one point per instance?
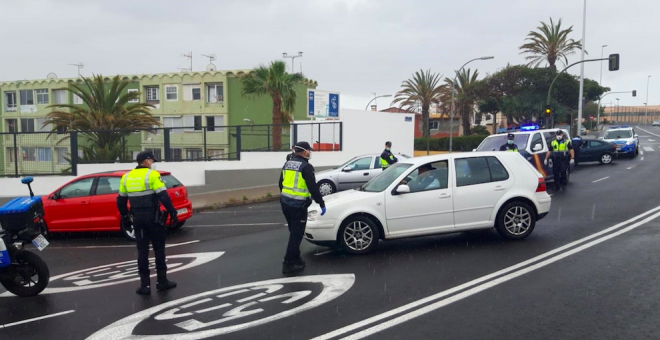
(289, 156)
(143, 188)
(387, 158)
(561, 151)
(510, 145)
(577, 143)
(298, 187)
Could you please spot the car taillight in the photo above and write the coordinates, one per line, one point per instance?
(541, 187)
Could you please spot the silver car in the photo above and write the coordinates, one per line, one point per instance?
(352, 174)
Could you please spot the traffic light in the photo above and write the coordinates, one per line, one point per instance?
(548, 110)
(634, 93)
(614, 62)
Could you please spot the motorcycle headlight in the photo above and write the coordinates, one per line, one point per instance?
(312, 215)
(629, 142)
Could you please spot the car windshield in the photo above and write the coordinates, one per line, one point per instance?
(494, 143)
(618, 134)
(170, 181)
(382, 181)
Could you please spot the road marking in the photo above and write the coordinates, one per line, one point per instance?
(479, 282)
(121, 246)
(648, 148)
(240, 212)
(641, 152)
(180, 244)
(649, 132)
(36, 319)
(602, 179)
(326, 252)
(642, 158)
(632, 166)
(651, 140)
(232, 225)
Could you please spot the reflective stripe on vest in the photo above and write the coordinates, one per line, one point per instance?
(384, 163)
(293, 184)
(514, 150)
(561, 147)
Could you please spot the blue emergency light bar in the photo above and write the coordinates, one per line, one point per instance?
(529, 128)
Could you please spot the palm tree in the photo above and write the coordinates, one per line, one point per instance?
(280, 85)
(105, 118)
(423, 89)
(464, 97)
(549, 43)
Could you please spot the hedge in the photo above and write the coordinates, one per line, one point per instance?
(463, 143)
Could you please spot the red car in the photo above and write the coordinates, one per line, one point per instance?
(89, 203)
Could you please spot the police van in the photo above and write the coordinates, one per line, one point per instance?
(533, 144)
(624, 138)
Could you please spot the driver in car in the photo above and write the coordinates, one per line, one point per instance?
(424, 180)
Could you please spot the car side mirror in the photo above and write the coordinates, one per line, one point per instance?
(54, 196)
(347, 169)
(636, 136)
(403, 189)
(474, 150)
(537, 147)
(601, 138)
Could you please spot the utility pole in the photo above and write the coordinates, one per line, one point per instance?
(584, 34)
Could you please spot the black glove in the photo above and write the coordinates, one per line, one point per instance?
(174, 220)
(126, 223)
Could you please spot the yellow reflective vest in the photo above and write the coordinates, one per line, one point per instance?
(293, 183)
(141, 186)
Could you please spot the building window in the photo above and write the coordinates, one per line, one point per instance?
(175, 154)
(214, 93)
(40, 125)
(77, 100)
(156, 152)
(196, 94)
(194, 154)
(44, 155)
(192, 123)
(62, 155)
(171, 93)
(434, 125)
(59, 97)
(174, 123)
(11, 125)
(215, 123)
(27, 125)
(29, 154)
(137, 99)
(10, 155)
(10, 101)
(215, 154)
(192, 92)
(42, 97)
(152, 94)
(27, 97)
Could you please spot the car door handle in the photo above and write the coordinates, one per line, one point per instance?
(499, 188)
(366, 174)
(83, 202)
(444, 196)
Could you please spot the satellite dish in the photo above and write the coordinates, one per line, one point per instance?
(51, 76)
(211, 68)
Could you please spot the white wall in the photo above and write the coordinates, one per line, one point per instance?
(364, 132)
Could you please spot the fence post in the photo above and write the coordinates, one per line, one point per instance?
(123, 148)
(320, 137)
(341, 136)
(166, 144)
(15, 155)
(268, 136)
(205, 155)
(74, 153)
(295, 135)
(238, 143)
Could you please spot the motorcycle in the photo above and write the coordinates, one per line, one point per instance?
(22, 272)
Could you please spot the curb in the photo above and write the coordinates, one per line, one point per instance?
(236, 204)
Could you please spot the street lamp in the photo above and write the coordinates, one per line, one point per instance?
(602, 49)
(451, 117)
(292, 57)
(383, 96)
(646, 107)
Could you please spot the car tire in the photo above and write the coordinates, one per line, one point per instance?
(605, 158)
(358, 235)
(516, 220)
(176, 226)
(326, 187)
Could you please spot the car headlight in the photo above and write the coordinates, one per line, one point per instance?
(629, 142)
(312, 215)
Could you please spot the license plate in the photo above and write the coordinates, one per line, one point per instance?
(40, 242)
(182, 211)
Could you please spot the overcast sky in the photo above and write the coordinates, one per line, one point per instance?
(356, 47)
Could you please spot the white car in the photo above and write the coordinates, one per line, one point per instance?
(454, 192)
(352, 174)
(655, 123)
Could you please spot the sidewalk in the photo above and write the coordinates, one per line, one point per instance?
(228, 198)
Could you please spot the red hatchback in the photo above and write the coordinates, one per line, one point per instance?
(89, 203)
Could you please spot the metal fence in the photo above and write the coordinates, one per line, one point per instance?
(60, 153)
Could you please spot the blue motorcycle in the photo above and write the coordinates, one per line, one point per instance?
(22, 272)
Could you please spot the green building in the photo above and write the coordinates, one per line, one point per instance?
(187, 102)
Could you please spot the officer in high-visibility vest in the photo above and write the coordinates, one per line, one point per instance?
(387, 158)
(561, 151)
(298, 187)
(509, 145)
(143, 188)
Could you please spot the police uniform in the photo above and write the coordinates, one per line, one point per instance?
(560, 153)
(298, 187)
(387, 158)
(509, 147)
(144, 188)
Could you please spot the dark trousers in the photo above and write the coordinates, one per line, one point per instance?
(297, 220)
(147, 229)
(559, 166)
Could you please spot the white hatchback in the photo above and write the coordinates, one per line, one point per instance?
(434, 195)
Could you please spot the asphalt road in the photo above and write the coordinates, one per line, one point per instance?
(590, 270)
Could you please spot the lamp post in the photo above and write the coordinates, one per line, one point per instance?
(603, 96)
(617, 110)
(584, 32)
(646, 107)
(602, 49)
(292, 57)
(383, 96)
(453, 89)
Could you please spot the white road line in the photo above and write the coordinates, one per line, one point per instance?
(240, 212)
(602, 179)
(121, 246)
(326, 252)
(649, 132)
(632, 166)
(641, 152)
(477, 281)
(232, 225)
(409, 316)
(180, 244)
(648, 148)
(642, 158)
(36, 319)
(651, 140)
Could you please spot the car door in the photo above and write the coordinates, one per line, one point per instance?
(480, 184)
(586, 153)
(68, 208)
(103, 204)
(355, 173)
(427, 208)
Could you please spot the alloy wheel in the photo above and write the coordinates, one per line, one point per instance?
(517, 220)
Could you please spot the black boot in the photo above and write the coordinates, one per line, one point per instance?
(293, 267)
(144, 288)
(164, 283)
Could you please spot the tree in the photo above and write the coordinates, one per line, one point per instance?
(464, 97)
(105, 118)
(549, 43)
(280, 85)
(423, 89)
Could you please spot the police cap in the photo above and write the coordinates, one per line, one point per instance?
(560, 132)
(302, 146)
(144, 155)
(511, 136)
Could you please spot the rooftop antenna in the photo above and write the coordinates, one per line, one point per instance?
(51, 76)
(79, 66)
(189, 56)
(210, 67)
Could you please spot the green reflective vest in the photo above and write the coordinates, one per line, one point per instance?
(293, 183)
(383, 162)
(513, 150)
(559, 147)
(141, 182)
